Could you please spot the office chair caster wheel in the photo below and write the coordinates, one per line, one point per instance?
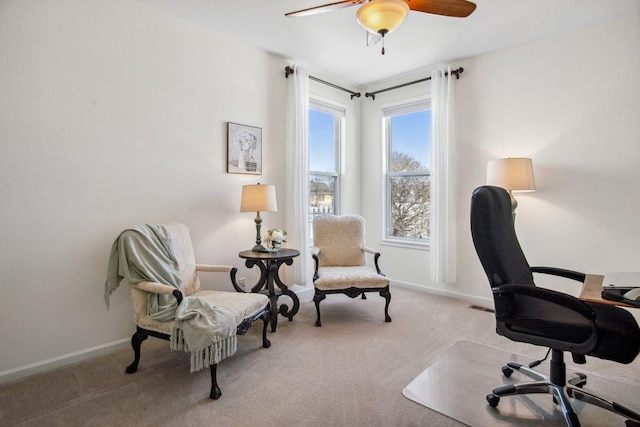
(507, 371)
(493, 400)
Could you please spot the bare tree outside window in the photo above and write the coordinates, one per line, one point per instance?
(408, 139)
(410, 217)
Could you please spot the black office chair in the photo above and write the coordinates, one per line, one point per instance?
(539, 316)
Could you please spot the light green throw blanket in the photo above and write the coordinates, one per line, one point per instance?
(205, 330)
(144, 253)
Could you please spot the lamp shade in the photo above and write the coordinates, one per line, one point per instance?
(512, 174)
(382, 16)
(258, 198)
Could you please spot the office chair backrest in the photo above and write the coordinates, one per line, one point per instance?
(495, 238)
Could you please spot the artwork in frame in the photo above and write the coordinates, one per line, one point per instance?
(244, 149)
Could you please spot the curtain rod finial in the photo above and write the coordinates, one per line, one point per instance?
(288, 70)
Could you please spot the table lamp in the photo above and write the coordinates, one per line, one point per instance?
(512, 174)
(258, 198)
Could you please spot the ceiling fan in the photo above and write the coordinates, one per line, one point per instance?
(380, 17)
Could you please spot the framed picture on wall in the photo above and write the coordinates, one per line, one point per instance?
(244, 149)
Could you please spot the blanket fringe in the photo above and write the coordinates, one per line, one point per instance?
(204, 357)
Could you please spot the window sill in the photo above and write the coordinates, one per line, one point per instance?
(422, 246)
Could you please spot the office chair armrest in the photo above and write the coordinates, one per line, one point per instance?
(561, 272)
(555, 297)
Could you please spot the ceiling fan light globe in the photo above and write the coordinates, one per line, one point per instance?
(382, 16)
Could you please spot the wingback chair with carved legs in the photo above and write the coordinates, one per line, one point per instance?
(340, 263)
(140, 255)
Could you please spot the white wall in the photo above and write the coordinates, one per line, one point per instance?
(570, 102)
(112, 114)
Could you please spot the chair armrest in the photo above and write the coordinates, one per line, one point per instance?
(154, 287)
(214, 268)
(555, 297)
(314, 253)
(222, 269)
(508, 322)
(561, 272)
(376, 255)
(158, 288)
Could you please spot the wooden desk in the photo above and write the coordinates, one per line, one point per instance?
(592, 291)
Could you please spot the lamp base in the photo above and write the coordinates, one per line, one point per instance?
(514, 205)
(258, 247)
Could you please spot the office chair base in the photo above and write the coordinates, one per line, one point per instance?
(561, 394)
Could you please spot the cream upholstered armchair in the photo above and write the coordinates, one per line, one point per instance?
(127, 260)
(340, 262)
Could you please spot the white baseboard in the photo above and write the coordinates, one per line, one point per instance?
(482, 302)
(304, 293)
(64, 360)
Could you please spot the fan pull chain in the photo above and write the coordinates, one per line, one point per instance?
(382, 33)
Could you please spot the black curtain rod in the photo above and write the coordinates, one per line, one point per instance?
(288, 70)
(372, 95)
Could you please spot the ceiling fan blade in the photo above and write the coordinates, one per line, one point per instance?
(454, 8)
(325, 8)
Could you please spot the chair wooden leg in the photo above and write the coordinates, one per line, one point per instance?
(316, 299)
(136, 342)
(387, 296)
(266, 317)
(215, 390)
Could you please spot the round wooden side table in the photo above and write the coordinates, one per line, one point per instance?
(269, 263)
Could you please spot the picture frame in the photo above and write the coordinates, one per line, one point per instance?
(244, 149)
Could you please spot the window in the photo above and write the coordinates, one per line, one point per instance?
(407, 133)
(326, 130)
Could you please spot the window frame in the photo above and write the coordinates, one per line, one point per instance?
(405, 106)
(339, 113)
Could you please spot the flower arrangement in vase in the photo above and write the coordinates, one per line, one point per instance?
(275, 237)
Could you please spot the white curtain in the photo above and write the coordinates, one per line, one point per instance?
(443, 186)
(297, 210)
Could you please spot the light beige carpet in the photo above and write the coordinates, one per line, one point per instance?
(457, 383)
(350, 372)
